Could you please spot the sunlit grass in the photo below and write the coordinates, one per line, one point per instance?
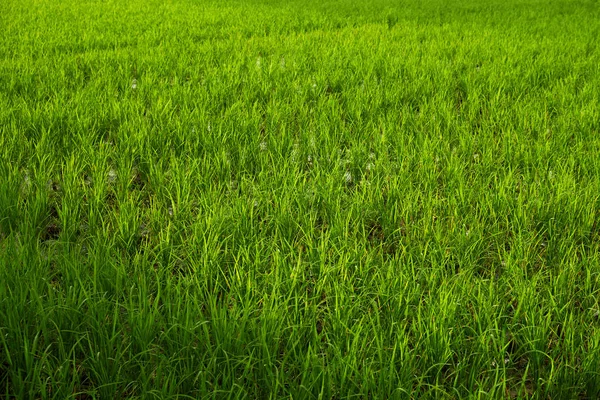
(270, 199)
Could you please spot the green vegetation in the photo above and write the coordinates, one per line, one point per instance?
(299, 199)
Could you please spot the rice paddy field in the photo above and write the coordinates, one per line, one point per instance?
(300, 199)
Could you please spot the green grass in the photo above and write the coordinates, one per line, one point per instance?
(299, 199)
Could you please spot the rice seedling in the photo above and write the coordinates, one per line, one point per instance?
(275, 199)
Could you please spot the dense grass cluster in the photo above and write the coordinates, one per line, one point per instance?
(299, 199)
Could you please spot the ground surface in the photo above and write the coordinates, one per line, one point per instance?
(305, 199)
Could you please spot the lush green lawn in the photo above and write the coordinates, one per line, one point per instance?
(301, 199)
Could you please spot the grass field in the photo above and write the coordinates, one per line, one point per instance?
(300, 199)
